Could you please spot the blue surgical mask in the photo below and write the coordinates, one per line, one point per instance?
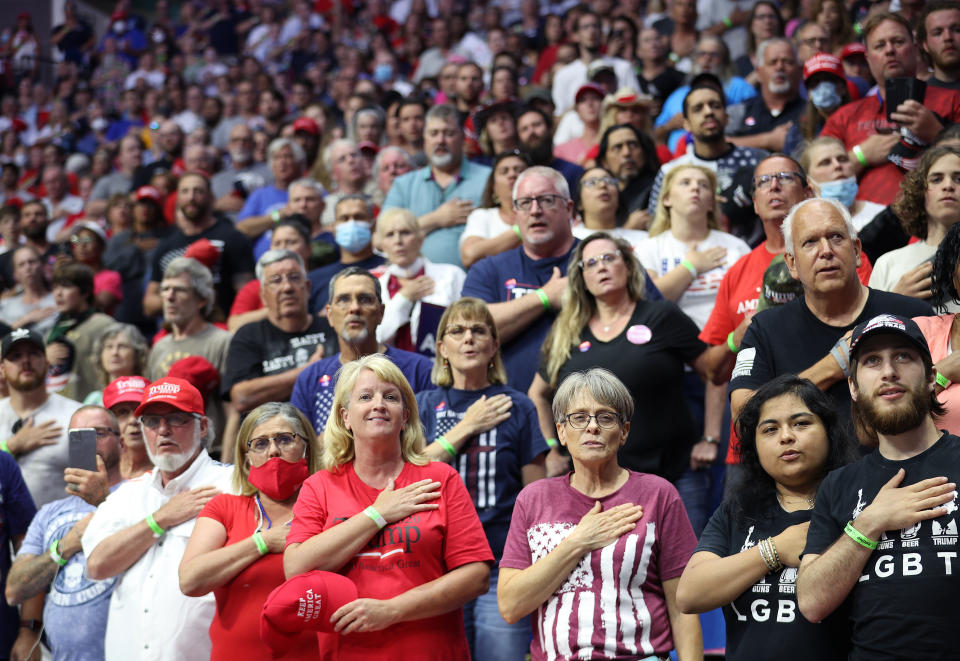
(843, 191)
(353, 235)
(382, 73)
(825, 96)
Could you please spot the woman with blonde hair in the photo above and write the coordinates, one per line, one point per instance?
(403, 528)
(489, 432)
(606, 322)
(410, 281)
(236, 547)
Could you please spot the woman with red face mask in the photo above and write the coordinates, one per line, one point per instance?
(236, 549)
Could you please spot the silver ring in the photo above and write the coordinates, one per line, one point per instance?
(72, 486)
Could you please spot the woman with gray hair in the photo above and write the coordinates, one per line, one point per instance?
(120, 351)
(596, 555)
(236, 548)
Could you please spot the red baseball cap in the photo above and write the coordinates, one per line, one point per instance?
(198, 371)
(823, 63)
(855, 48)
(304, 603)
(369, 147)
(307, 124)
(125, 389)
(589, 87)
(178, 393)
(149, 193)
(204, 252)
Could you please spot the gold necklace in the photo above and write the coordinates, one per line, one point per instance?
(811, 501)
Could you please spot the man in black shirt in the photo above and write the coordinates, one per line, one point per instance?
(938, 33)
(809, 335)
(883, 537)
(266, 356)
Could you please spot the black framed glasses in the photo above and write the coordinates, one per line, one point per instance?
(764, 181)
(547, 202)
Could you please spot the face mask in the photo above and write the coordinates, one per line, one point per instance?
(119, 27)
(382, 73)
(825, 96)
(353, 235)
(99, 124)
(843, 191)
(279, 478)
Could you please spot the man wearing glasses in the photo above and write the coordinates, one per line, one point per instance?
(355, 311)
(140, 532)
(266, 356)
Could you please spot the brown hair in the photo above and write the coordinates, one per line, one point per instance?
(910, 205)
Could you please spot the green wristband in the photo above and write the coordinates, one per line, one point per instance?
(861, 157)
(731, 344)
(154, 526)
(727, 23)
(542, 295)
(261, 544)
(859, 537)
(55, 554)
(3, 446)
(275, 215)
(446, 445)
(942, 381)
(376, 517)
(516, 230)
(551, 442)
(687, 264)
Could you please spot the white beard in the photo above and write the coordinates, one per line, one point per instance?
(172, 462)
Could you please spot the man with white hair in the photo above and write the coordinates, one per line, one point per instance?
(763, 121)
(234, 184)
(264, 206)
(266, 356)
(391, 162)
(809, 336)
(349, 177)
(140, 532)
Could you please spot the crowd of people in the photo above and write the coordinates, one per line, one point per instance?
(445, 329)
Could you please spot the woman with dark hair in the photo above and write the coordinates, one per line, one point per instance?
(490, 229)
(833, 16)
(748, 555)
(765, 22)
(599, 203)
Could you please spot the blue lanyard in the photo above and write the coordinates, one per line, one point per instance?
(263, 511)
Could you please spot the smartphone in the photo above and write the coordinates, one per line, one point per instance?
(83, 448)
(903, 89)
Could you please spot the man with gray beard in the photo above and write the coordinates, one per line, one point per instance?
(233, 184)
(443, 193)
(355, 309)
(141, 530)
(763, 121)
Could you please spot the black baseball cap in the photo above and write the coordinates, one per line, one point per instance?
(20, 335)
(891, 324)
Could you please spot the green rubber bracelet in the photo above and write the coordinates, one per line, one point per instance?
(261, 544)
(3, 446)
(943, 381)
(275, 215)
(727, 22)
(55, 554)
(861, 157)
(731, 344)
(551, 442)
(446, 445)
(376, 517)
(859, 537)
(687, 264)
(542, 295)
(154, 526)
(516, 230)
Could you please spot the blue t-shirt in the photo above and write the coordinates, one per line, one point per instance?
(320, 280)
(509, 276)
(489, 464)
(313, 389)
(76, 608)
(262, 201)
(16, 510)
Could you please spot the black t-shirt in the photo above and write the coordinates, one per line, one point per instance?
(905, 604)
(933, 81)
(261, 349)
(649, 357)
(764, 622)
(753, 116)
(789, 339)
(663, 84)
(236, 257)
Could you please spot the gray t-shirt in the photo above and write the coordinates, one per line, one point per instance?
(108, 186)
(13, 308)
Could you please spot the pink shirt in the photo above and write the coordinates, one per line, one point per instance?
(936, 330)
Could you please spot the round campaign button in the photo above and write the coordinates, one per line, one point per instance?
(639, 334)
(585, 345)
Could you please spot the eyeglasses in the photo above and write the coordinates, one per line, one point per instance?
(597, 182)
(547, 202)
(765, 180)
(172, 420)
(605, 419)
(478, 330)
(605, 258)
(813, 42)
(284, 442)
(276, 281)
(81, 240)
(103, 432)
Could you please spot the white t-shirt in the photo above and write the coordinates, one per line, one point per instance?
(663, 253)
(635, 237)
(866, 214)
(485, 223)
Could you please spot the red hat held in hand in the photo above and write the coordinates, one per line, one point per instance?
(304, 603)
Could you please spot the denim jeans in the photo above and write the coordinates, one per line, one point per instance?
(489, 635)
(695, 492)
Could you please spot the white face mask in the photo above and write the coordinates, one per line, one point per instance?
(119, 27)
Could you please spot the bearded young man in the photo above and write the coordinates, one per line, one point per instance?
(882, 541)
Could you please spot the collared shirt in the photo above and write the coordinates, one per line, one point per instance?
(419, 192)
(150, 619)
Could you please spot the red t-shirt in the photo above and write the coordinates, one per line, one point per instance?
(858, 120)
(247, 299)
(404, 555)
(235, 630)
